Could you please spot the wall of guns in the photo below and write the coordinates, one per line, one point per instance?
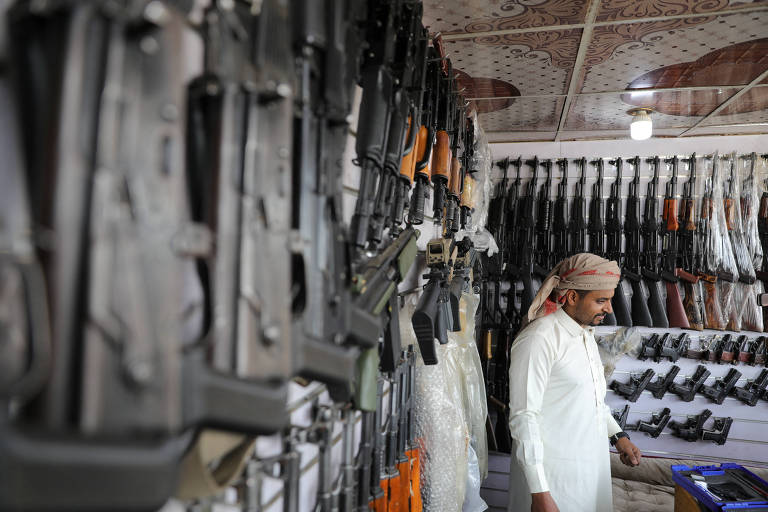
(175, 251)
(689, 232)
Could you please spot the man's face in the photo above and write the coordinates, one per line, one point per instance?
(589, 308)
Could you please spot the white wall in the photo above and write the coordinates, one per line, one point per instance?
(630, 148)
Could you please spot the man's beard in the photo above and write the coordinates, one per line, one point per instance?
(595, 322)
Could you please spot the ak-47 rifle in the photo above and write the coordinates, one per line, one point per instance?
(690, 256)
(425, 139)
(762, 230)
(650, 254)
(544, 224)
(456, 179)
(578, 225)
(632, 234)
(669, 245)
(596, 226)
(467, 200)
(613, 227)
(526, 241)
(441, 154)
(707, 255)
(560, 214)
(512, 217)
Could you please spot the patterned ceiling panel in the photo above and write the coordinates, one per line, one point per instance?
(614, 10)
(750, 107)
(619, 55)
(468, 16)
(609, 112)
(524, 114)
(533, 63)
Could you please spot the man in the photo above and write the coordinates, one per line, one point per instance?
(559, 422)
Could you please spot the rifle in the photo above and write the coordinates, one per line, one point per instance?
(614, 228)
(526, 241)
(432, 318)
(728, 272)
(578, 224)
(690, 256)
(650, 254)
(442, 158)
(596, 226)
(640, 313)
(762, 229)
(426, 139)
(467, 200)
(560, 216)
(544, 224)
(708, 255)
(669, 245)
(456, 180)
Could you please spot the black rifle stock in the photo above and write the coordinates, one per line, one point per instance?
(632, 233)
(650, 254)
(614, 229)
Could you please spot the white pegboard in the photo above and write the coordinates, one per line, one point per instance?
(748, 438)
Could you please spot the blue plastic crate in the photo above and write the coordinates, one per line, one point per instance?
(708, 499)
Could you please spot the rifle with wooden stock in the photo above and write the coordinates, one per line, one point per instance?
(690, 256)
(707, 253)
(670, 252)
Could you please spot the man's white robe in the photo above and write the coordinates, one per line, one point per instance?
(558, 418)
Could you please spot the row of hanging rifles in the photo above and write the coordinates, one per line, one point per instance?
(699, 263)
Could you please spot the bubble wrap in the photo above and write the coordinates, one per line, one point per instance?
(450, 412)
(614, 346)
(728, 260)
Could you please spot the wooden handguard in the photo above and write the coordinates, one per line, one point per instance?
(454, 183)
(421, 150)
(689, 214)
(670, 214)
(441, 156)
(415, 458)
(408, 164)
(730, 214)
(466, 193)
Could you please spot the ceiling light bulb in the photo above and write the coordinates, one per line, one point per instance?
(641, 126)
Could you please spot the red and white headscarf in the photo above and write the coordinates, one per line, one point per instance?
(582, 271)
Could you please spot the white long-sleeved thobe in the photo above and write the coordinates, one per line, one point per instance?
(558, 418)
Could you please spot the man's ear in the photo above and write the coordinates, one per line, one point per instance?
(570, 297)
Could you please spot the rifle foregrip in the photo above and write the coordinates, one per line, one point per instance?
(691, 305)
(640, 313)
(441, 156)
(655, 304)
(675, 309)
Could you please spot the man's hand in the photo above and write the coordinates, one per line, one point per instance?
(543, 502)
(629, 454)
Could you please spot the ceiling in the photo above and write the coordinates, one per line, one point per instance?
(571, 69)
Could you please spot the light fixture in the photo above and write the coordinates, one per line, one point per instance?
(641, 126)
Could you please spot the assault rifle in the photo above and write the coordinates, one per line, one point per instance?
(650, 254)
(432, 318)
(560, 214)
(735, 230)
(467, 201)
(526, 241)
(690, 256)
(632, 234)
(441, 153)
(426, 139)
(578, 225)
(613, 227)
(544, 223)
(512, 217)
(669, 244)
(762, 230)
(596, 224)
(708, 269)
